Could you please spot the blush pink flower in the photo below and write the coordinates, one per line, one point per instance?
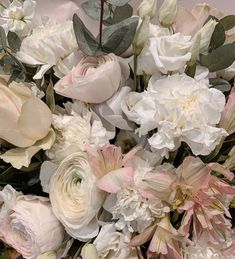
(94, 79)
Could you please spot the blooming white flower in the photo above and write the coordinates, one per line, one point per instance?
(18, 17)
(48, 45)
(165, 54)
(112, 244)
(74, 130)
(75, 198)
(182, 109)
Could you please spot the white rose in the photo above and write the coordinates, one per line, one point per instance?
(182, 109)
(112, 244)
(165, 54)
(48, 45)
(18, 17)
(75, 198)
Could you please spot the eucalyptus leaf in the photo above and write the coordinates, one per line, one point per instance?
(13, 41)
(218, 37)
(17, 75)
(3, 38)
(86, 41)
(118, 37)
(191, 70)
(220, 58)
(122, 12)
(50, 97)
(92, 9)
(220, 84)
(228, 22)
(117, 2)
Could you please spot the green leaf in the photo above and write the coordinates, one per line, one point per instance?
(50, 97)
(218, 37)
(92, 9)
(117, 2)
(121, 13)
(118, 37)
(86, 41)
(228, 22)
(17, 75)
(3, 38)
(220, 84)
(220, 58)
(191, 70)
(13, 41)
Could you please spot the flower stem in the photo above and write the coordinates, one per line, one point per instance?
(101, 20)
(136, 83)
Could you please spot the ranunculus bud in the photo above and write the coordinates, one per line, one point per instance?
(147, 7)
(206, 33)
(168, 12)
(228, 115)
(48, 255)
(141, 35)
(89, 251)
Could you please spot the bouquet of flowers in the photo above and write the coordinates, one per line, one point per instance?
(118, 145)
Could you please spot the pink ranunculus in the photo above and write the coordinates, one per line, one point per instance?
(94, 79)
(31, 228)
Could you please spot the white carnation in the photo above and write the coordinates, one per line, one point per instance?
(182, 109)
(48, 45)
(74, 130)
(18, 17)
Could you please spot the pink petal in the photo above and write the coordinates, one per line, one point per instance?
(222, 170)
(115, 180)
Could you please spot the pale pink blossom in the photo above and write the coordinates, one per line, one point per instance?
(94, 79)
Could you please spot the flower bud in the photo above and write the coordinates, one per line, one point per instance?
(147, 7)
(89, 252)
(48, 255)
(195, 48)
(206, 33)
(141, 36)
(168, 12)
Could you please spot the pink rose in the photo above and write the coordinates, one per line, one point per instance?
(31, 227)
(94, 79)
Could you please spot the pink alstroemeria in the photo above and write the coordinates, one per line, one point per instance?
(228, 115)
(166, 241)
(114, 171)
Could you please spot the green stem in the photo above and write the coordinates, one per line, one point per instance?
(101, 20)
(135, 73)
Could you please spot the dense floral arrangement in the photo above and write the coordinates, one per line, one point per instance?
(118, 145)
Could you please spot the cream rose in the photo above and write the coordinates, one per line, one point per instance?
(165, 54)
(20, 111)
(75, 198)
(48, 46)
(31, 227)
(94, 79)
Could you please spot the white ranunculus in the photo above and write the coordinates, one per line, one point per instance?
(165, 54)
(182, 109)
(112, 244)
(75, 198)
(48, 45)
(74, 130)
(18, 17)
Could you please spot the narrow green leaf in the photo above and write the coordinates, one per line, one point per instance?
(13, 41)
(118, 2)
(3, 38)
(228, 22)
(218, 37)
(50, 97)
(220, 58)
(92, 9)
(121, 13)
(118, 37)
(86, 41)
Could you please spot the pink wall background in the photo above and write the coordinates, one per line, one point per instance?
(64, 9)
